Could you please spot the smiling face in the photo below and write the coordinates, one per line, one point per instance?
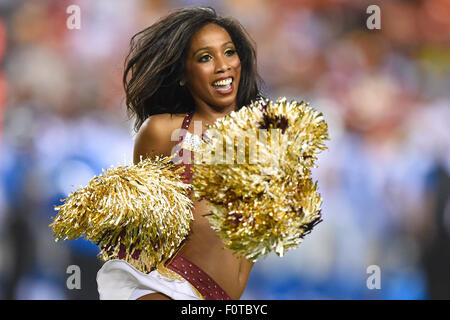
(213, 68)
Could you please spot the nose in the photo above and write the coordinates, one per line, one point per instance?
(222, 65)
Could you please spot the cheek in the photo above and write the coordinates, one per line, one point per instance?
(237, 67)
(236, 62)
(199, 75)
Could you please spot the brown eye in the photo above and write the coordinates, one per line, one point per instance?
(204, 58)
(230, 52)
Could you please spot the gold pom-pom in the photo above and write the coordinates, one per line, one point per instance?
(140, 213)
(274, 222)
(254, 169)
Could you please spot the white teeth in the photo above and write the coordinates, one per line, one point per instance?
(224, 82)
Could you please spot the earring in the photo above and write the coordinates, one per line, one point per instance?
(182, 82)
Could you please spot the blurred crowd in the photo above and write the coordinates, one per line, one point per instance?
(384, 179)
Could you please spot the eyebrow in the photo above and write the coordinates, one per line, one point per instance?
(223, 45)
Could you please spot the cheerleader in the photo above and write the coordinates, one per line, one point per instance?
(182, 73)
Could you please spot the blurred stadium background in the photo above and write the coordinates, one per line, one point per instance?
(384, 179)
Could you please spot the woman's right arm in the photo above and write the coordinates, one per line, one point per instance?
(153, 139)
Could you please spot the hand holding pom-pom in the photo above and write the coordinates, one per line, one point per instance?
(254, 169)
(139, 213)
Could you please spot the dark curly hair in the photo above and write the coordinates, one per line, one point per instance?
(156, 63)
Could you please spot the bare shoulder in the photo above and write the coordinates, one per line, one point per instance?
(156, 136)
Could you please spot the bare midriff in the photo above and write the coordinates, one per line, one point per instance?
(205, 249)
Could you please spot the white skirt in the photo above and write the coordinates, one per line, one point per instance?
(118, 280)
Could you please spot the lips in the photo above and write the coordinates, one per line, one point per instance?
(223, 81)
(224, 85)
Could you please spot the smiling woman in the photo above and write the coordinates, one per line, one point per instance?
(157, 77)
(192, 65)
(213, 70)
